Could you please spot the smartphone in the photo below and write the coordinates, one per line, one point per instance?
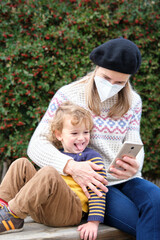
(129, 149)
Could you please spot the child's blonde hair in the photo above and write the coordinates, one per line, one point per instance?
(78, 115)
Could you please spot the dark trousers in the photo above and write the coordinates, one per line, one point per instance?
(134, 207)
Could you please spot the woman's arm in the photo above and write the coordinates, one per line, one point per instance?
(40, 150)
(132, 165)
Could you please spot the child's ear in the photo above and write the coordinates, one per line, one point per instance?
(58, 135)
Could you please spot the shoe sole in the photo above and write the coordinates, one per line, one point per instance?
(11, 231)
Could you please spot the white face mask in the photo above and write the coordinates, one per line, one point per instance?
(105, 88)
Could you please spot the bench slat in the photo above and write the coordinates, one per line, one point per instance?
(35, 231)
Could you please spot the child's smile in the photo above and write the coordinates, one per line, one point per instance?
(74, 138)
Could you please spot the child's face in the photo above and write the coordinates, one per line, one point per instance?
(74, 138)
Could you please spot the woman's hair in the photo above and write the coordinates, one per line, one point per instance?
(93, 101)
(77, 114)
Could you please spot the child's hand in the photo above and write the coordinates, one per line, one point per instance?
(88, 231)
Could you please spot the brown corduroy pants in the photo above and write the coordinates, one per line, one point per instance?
(42, 194)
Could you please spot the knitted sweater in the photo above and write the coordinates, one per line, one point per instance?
(96, 204)
(107, 135)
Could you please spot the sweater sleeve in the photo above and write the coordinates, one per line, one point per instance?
(133, 133)
(97, 204)
(40, 150)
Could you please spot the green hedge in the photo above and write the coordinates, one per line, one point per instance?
(45, 44)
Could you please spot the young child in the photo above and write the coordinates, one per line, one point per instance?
(70, 129)
(44, 194)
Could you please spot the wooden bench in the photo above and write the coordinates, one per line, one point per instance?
(35, 231)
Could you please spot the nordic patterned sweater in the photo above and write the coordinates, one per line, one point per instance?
(95, 206)
(107, 135)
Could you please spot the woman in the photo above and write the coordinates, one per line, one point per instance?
(132, 203)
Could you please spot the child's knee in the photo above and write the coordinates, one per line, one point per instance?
(49, 171)
(20, 161)
(50, 176)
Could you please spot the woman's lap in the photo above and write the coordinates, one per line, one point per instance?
(134, 207)
(121, 212)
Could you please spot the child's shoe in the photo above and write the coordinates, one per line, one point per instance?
(3, 203)
(9, 222)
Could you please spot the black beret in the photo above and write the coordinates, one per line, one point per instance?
(119, 55)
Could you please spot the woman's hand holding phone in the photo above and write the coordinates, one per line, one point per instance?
(128, 167)
(125, 165)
